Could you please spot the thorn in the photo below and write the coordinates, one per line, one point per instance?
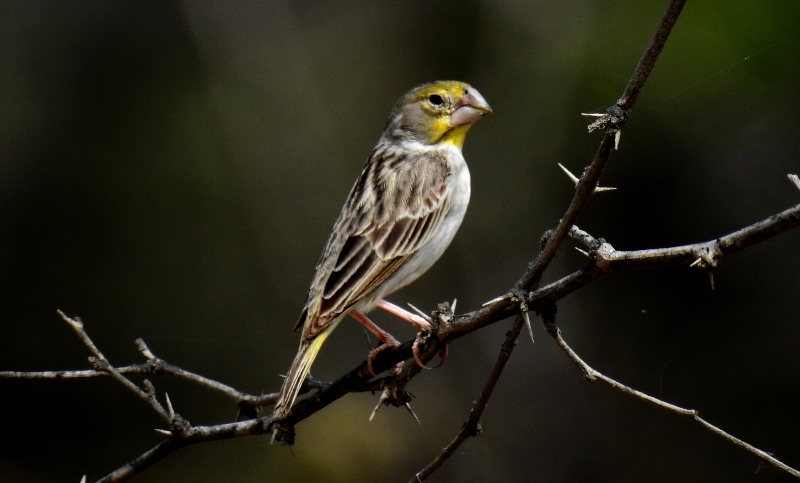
(384, 396)
(696, 262)
(528, 325)
(794, 179)
(422, 314)
(169, 406)
(377, 406)
(711, 279)
(83, 480)
(571, 176)
(583, 252)
(602, 189)
(408, 406)
(575, 180)
(274, 433)
(592, 114)
(453, 306)
(617, 135)
(164, 432)
(496, 299)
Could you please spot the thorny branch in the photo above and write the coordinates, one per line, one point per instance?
(525, 295)
(472, 424)
(101, 363)
(613, 122)
(593, 375)
(156, 366)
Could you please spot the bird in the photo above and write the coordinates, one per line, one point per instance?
(401, 214)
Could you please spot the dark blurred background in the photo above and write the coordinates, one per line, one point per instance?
(171, 170)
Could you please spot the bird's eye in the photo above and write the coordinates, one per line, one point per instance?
(436, 99)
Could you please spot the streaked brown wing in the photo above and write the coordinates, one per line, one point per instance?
(388, 216)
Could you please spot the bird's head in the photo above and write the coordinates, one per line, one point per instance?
(437, 112)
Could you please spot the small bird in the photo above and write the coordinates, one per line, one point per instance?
(400, 216)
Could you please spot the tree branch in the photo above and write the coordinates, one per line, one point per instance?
(525, 294)
(156, 366)
(471, 426)
(613, 122)
(593, 375)
(103, 364)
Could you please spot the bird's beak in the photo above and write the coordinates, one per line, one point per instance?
(470, 108)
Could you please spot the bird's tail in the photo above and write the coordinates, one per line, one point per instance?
(309, 348)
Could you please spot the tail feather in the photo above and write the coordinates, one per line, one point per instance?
(309, 348)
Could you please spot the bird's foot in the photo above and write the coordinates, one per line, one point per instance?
(387, 342)
(415, 350)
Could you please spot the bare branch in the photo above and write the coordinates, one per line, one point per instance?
(617, 117)
(583, 238)
(650, 56)
(472, 427)
(592, 375)
(83, 374)
(710, 254)
(156, 366)
(104, 364)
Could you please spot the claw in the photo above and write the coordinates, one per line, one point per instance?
(443, 355)
(415, 351)
(374, 352)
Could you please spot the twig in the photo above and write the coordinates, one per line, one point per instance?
(472, 427)
(592, 374)
(650, 56)
(583, 238)
(104, 364)
(710, 253)
(613, 123)
(156, 366)
(160, 366)
(82, 374)
(608, 260)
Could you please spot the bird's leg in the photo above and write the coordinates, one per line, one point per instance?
(417, 321)
(386, 338)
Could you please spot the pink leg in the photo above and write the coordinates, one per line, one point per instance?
(386, 338)
(415, 320)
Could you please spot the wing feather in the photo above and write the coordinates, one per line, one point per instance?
(388, 216)
(357, 260)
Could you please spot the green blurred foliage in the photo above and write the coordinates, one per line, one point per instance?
(171, 170)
